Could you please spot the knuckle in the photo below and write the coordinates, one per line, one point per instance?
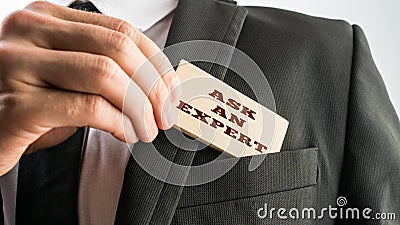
(129, 30)
(9, 103)
(158, 92)
(120, 41)
(157, 60)
(38, 5)
(15, 20)
(93, 105)
(126, 28)
(9, 100)
(161, 62)
(105, 69)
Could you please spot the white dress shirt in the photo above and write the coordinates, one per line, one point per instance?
(140, 13)
(105, 157)
(152, 17)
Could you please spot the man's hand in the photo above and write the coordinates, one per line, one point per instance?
(62, 68)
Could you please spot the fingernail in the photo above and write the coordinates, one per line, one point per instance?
(172, 116)
(130, 134)
(176, 90)
(154, 130)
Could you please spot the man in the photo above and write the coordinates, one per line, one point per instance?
(62, 69)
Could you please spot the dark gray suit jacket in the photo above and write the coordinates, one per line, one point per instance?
(343, 138)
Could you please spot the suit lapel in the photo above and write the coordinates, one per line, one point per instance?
(152, 201)
(206, 20)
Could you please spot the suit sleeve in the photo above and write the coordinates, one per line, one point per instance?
(370, 176)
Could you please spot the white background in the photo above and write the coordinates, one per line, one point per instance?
(379, 20)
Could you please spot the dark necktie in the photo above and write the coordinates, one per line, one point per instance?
(84, 6)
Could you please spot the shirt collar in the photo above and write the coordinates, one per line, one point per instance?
(139, 13)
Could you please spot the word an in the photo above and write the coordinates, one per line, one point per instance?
(233, 104)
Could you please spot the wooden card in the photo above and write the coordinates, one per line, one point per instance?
(229, 121)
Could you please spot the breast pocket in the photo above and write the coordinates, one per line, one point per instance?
(283, 171)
